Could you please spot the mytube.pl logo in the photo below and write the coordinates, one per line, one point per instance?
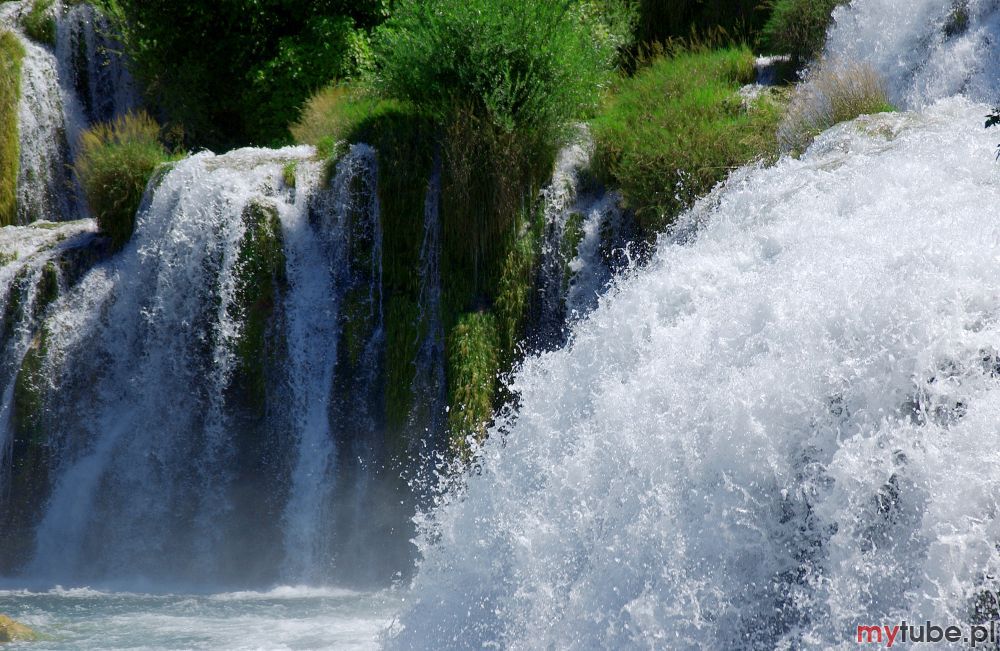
(926, 632)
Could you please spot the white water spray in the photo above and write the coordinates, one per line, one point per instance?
(785, 426)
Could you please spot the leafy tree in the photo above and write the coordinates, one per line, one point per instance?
(234, 72)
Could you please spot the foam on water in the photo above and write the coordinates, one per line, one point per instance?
(926, 49)
(285, 618)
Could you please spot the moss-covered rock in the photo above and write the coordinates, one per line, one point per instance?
(11, 54)
(260, 278)
(40, 22)
(473, 366)
(11, 631)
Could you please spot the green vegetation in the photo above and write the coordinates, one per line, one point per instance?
(260, 277)
(473, 365)
(833, 94)
(11, 631)
(233, 72)
(11, 54)
(115, 163)
(518, 64)
(798, 27)
(40, 22)
(678, 127)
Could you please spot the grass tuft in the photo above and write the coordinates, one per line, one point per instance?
(11, 54)
(833, 94)
(40, 23)
(115, 163)
(678, 127)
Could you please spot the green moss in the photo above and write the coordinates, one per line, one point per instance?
(678, 127)
(11, 54)
(288, 174)
(401, 339)
(11, 631)
(473, 365)
(514, 291)
(260, 276)
(8, 258)
(29, 395)
(40, 23)
(573, 234)
(958, 20)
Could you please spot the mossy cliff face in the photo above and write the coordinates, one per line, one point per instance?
(254, 410)
(11, 54)
(260, 280)
(30, 449)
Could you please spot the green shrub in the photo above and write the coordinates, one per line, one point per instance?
(115, 163)
(832, 94)
(40, 23)
(798, 27)
(11, 53)
(678, 127)
(521, 64)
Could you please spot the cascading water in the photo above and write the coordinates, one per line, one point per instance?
(784, 427)
(91, 68)
(583, 245)
(314, 327)
(65, 89)
(427, 417)
(44, 188)
(190, 419)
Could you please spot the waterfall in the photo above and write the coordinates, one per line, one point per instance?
(91, 67)
(583, 245)
(312, 312)
(782, 428)
(44, 187)
(189, 380)
(429, 390)
(65, 89)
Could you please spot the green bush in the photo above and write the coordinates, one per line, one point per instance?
(798, 27)
(521, 64)
(832, 94)
(11, 53)
(115, 163)
(40, 23)
(678, 127)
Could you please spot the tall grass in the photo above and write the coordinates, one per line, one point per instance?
(40, 23)
(11, 53)
(115, 163)
(834, 93)
(678, 127)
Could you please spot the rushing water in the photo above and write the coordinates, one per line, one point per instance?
(281, 619)
(784, 426)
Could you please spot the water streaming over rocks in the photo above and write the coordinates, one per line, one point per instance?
(65, 87)
(584, 243)
(784, 426)
(780, 428)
